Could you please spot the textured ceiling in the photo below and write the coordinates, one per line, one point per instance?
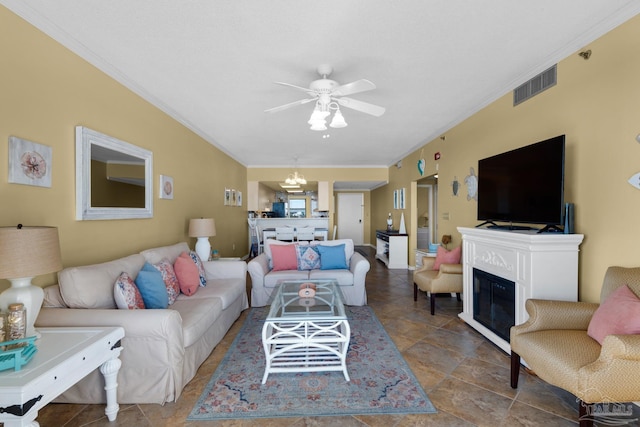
(212, 64)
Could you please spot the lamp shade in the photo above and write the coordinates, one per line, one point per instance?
(29, 251)
(202, 227)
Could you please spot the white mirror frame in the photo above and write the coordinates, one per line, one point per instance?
(85, 138)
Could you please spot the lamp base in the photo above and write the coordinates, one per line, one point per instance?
(23, 291)
(203, 248)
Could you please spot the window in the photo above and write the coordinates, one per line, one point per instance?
(297, 208)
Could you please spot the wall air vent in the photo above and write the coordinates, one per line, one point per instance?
(539, 83)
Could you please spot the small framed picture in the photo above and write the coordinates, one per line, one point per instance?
(395, 199)
(227, 196)
(29, 163)
(166, 187)
(233, 198)
(238, 198)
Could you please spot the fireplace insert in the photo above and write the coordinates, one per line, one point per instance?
(494, 302)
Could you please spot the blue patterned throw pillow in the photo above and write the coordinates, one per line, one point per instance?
(308, 258)
(196, 259)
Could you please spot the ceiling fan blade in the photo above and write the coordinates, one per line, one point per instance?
(303, 89)
(364, 107)
(289, 105)
(358, 86)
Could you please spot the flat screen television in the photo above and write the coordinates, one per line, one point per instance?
(523, 186)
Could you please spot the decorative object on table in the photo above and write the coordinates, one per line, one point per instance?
(389, 222)
(166, 187)
(381, 380)
(202, 228)
(403, 228)
(16, 323)
(16, 353)
(29, 163)
(433, 247)
(471, 181)
(307, 290)
(3, 320)
(215, 254)
(238, 198)
(26, 252)
(455, 186)
(446, 239)
(425, 215)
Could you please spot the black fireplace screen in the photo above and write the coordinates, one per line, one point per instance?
(494, 302)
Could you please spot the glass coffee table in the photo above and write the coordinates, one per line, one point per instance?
(306, 334)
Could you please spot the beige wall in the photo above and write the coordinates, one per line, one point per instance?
(596, 103)
(46, 92)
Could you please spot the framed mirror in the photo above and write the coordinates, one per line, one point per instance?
(114, 179)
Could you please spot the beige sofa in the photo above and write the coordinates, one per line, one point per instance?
(162, 348)
(351, 280)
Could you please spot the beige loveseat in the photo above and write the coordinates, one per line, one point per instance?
(351, 279)
(162, 348)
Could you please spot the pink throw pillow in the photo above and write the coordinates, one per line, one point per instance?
(284, 257)
(444, 256)
(187, 274)
(619, 314)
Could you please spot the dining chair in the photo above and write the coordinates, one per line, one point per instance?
(285, 234)
(305, 234)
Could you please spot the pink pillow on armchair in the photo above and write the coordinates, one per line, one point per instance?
(444, 256)
(619, 314)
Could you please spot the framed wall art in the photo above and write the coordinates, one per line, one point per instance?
(166, 187)
(29, 163)
(238, 198)
(227, 196)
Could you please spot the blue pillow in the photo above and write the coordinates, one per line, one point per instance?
(152, 288)
(332, 257)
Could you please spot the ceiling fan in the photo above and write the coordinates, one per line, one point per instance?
(330, 95)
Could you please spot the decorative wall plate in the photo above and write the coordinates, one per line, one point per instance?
(421, 165)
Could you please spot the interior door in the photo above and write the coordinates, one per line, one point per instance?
(350, 212)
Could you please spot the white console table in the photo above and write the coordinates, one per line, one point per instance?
(542, 266)
(391, 248)
(64, 357)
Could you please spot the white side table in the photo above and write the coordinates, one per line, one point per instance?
(64, 357)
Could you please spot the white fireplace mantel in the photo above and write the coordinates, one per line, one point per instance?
(543, 266)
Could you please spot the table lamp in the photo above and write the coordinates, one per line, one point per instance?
(425, 215)
(202, 228)
(26, 252)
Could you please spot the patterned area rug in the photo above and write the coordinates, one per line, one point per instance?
(381, 381)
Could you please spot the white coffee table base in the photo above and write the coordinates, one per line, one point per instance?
(305, 346)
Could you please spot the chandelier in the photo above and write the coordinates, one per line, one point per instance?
(322, 110)
(295, 179)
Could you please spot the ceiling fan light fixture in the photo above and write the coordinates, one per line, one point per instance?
(319, 125)
(338, 120)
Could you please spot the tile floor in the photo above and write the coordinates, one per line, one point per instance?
(465, 376)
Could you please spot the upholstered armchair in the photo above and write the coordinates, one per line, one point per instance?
(555, 343)
(447, 279)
